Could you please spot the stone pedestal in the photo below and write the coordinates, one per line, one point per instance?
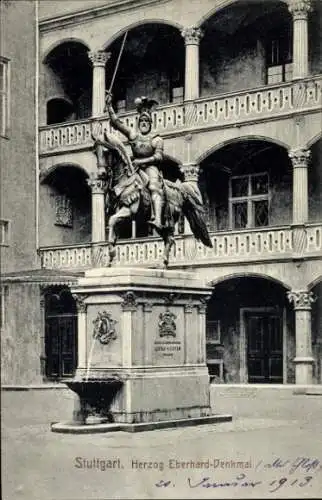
(147, 327)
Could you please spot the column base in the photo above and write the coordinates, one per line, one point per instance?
(303, 370)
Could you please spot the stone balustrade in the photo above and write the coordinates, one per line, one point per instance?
(227, 109)
(228, 247)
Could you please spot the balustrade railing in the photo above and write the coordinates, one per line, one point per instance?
(228, 247)
(245, 105)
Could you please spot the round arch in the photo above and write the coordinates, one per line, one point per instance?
(223, 5)
(228, 277)
(137, 24)
(61, 42)
(49, 171)
(315, 282)
(237, 140)
(58, 96)
(314, 140)
(214, 10)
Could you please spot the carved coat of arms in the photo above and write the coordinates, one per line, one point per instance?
(104, 328)
(167, 324)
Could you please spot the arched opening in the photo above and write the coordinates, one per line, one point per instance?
(315, 39)
(59, 110)
(152, 64)
(245, 45)
(317, 332)
(68, 76)
(247, 184)
(65, 207)
(60, 333)
(250, 332)
(315, 182)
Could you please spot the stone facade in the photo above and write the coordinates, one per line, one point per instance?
(252, 140)
(18, 144)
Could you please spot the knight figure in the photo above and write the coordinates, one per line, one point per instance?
(147, 151)
(135, 185)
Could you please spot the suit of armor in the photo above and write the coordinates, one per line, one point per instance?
(147, 151)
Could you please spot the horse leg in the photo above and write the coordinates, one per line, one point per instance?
(121, 214)
(168, 244)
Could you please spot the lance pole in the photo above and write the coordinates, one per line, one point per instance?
(117, 63)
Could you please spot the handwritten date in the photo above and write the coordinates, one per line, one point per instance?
(240, 481)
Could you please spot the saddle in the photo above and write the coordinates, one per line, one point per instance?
(129, 188)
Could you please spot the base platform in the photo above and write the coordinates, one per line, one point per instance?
(74, 428)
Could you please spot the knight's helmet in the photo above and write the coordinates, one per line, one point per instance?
(145, 106)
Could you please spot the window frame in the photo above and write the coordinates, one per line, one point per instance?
(5, 232)
(5, 94)
(213, 331)
(279, 57)
(4, 297)
(249, 199)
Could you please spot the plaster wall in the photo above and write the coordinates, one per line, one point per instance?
(317, 333)
(50, 86)
(234, 65)
(226, 307)
(292, 275)
(315, 183)
(18, 148)
(52, 234)
(315, 40)
(153, 82)
(21, 335)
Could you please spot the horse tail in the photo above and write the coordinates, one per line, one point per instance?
(193, 209)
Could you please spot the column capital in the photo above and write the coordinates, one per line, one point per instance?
(81, 305)
(203, 303)
(192, 35)
(300, 157)
(301, 299)
(97, 185)
(300, 8)
(99, 57)
(190, 172)
(129, 301)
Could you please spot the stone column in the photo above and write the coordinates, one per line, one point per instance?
(191, 174)
(192, 38)
(98, 209)
(302, 300)
(129, 307)
(300, 160)
(81, 330)
(202, 309)
(98, 60)
(42, 356)
(300, 10)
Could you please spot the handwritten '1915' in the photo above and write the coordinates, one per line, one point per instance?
(240, 481)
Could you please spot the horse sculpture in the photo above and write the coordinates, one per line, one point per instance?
(127, 197)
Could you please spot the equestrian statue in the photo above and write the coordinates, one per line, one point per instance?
(135, 186)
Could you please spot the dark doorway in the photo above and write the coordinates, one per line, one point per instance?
(61, 335)
(264, 335)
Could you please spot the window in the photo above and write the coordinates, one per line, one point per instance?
(4, 96)
(4, 232)
(249, 201)
(213, 332)
(4, 290)
(279, 56)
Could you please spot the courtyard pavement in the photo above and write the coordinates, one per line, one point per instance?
(271, 449)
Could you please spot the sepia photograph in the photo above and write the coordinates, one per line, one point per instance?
(161, 249)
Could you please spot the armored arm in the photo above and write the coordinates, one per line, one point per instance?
(115, 121)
